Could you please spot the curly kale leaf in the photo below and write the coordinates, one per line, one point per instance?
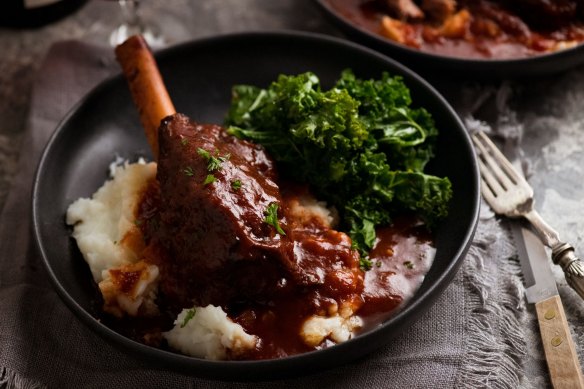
(359, 145)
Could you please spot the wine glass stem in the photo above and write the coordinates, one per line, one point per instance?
(130, 13)
(133, 24)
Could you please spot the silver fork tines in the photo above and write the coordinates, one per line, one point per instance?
(509, 194)
(503, 188)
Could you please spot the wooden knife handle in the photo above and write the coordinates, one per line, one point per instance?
(560, 352)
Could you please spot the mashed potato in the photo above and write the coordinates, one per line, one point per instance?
(207, 332)
(339, 326)
(104, 225)
(111, 243)
(306, 208)
(135, 298)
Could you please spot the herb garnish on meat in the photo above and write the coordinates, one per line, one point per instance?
(213, 162)
(359, 145)
(209, 179)
(271, 214)
(236, 185)
(188, 171)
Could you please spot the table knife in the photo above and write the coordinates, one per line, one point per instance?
(541, 290)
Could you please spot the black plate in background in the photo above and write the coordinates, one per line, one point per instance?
(199, 77)
(436, 66)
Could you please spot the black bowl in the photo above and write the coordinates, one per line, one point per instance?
(199, 76)
(434, 65)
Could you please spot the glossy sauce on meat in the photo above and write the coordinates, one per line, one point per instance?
(212, 245)
(223, 241)
(497, 29)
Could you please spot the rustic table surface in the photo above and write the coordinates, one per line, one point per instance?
(544, 116)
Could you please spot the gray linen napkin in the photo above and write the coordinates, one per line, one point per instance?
(478, 334)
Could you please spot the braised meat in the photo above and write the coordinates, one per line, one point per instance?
(434, 10)
(216, 192)
(403, 9)
(504, 19)
(439, 10)
(549, 8)
(546, 14)
(208, 231)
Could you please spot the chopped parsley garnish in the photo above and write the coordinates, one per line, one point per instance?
(190, 314)
(271, 214)
(184, 141)
(236, 185)
(188, 171)
(365, 263)
(213, 162)
(409, 265)
(203, 153)
(209, 179)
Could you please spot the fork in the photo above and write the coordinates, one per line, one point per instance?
(509, 194)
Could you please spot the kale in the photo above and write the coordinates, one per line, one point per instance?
(360, 145)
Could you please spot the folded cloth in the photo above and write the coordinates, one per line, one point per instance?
(479, 333)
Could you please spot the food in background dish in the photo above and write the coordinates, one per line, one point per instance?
(471, 28)
(224, 248)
